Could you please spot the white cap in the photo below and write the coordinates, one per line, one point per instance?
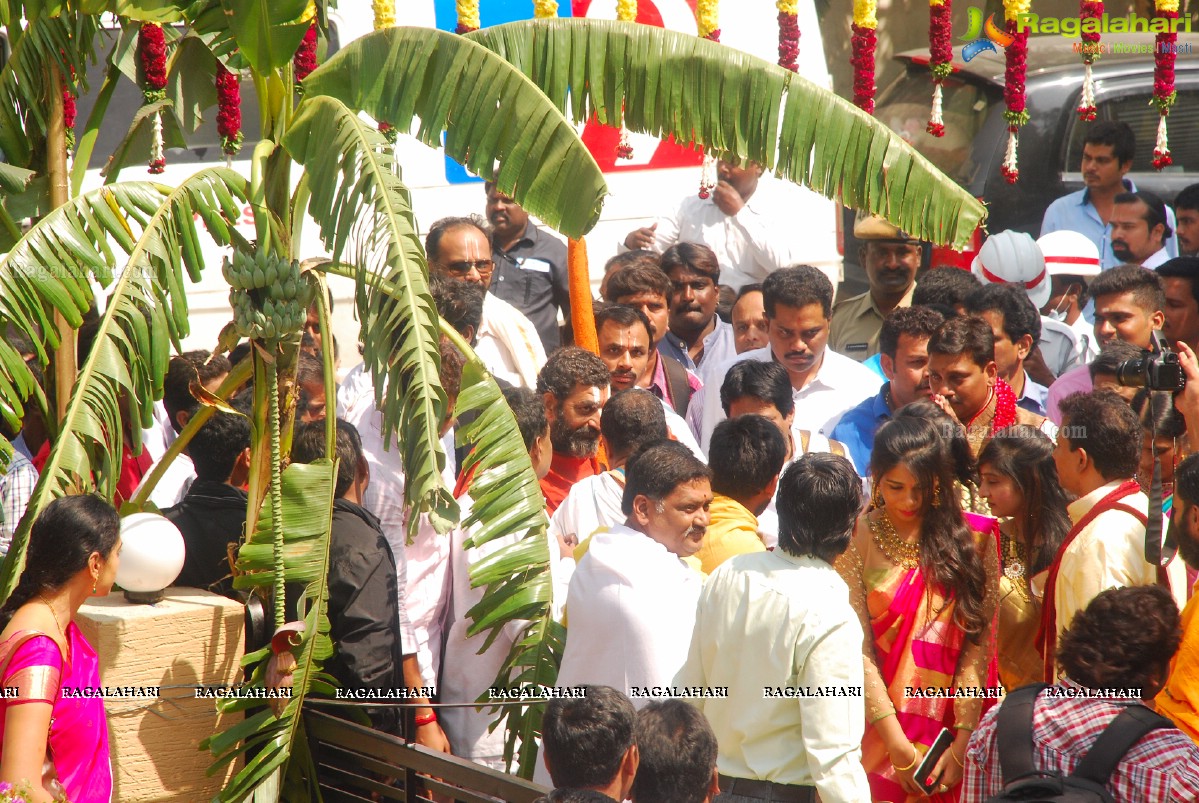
(1012, 257)
(1069, 253)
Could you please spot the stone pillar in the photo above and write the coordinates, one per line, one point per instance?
(152, 658)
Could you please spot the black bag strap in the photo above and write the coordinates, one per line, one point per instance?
(1121, 734)
(676, 379)
(1014, 732)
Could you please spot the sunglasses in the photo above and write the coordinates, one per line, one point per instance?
(464, 267)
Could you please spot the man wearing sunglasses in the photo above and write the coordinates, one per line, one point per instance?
(459, 248)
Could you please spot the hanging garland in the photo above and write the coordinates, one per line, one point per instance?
(152, 49)
(68, 117)
(228, 110)
(304, 61)
(1013, 85)
(1089, 9)
(862, 44)
(1164, 54)
(788, 34)
(707, 17)
(940, 54)
(385, 17)
(626, 11)
(544, 9)
(468, 16)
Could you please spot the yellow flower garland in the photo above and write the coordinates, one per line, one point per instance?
(468, 13)
(545, 8)
(626, 10)
(385, 13)
(707, 16)
(1014, 8)
(1166, 5)
(788, 7)
(865, 13)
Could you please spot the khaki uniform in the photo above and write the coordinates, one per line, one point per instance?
(857, 322)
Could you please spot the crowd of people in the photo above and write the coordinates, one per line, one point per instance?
(798, 543)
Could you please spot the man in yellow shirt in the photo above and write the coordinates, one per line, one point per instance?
(1179, 699)
(747, 454)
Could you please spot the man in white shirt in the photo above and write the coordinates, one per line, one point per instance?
(1071, 259)
(745, 222)
(777, 629)
(507, 343)
(1140, 229)
(631, 606)
(825, 384)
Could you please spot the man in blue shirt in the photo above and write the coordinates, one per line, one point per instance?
(903, 343)
(1107, 154)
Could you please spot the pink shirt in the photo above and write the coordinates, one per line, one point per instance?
(1076, 380)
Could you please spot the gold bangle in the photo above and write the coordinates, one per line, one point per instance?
(881, 717)
(958, 760)
(915, 761)
(963, 727)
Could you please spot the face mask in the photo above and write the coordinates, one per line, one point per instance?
(1058, 313)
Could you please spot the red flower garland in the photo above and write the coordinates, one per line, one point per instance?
(789, 41)
(304, 61)
(1014, 96)
(862, 44)
(1089, 9)
(1164, 54)
(940, 51)
(228, 105)
(152, 50)
(68, 117)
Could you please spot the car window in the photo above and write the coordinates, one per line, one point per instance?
(904, 108)
(1141, 114)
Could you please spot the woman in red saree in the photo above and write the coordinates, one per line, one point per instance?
(925, 586)
(51, 739)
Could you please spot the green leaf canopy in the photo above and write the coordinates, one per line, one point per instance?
(666, 83)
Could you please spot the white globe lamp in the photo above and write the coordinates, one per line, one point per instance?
(152, 555)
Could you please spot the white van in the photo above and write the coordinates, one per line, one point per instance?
(652, 183)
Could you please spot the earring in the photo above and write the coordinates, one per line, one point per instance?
(936, 495)
(876, 497)
(95, 582)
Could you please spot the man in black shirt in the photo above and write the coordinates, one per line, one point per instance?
(212, 515)
(530, 267)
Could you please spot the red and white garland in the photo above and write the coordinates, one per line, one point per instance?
(707, 19)
(228, 110)
(788, 34)
(1013, 85)
(626, 11)
(1089, 9)
(862, 43)
(1164, 53)
(385, 17)
(152, 52)
(940, 50)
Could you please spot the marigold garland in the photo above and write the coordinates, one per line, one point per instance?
(152, 52)
(862, 44)
(1164, 54)
(940, 50)
(1013, 85)
(707, 18)
(626, 10)
(228, 110)
(468, 16)
(1089, 9)
(544, 9)
(788, 34)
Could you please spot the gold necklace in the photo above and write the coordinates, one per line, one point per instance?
(46, 602)
(894, 548)
(1014, 563)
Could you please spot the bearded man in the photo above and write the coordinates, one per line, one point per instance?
(574, 385)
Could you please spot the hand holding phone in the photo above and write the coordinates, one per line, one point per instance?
(928, 764)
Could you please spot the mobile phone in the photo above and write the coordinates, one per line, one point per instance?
(940, 745)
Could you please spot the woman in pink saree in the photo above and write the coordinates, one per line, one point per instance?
(925, 586)
(53, 738)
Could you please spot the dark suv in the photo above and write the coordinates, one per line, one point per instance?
(1050, 150)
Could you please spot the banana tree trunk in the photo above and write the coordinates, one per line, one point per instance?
(65, 365)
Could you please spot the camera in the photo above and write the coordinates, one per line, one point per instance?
(1156, 369)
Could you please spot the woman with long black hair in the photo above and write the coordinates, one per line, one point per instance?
(52, 740)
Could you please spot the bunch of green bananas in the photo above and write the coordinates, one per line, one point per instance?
(269, 296)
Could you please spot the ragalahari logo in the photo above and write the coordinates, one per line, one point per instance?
(980, 37)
